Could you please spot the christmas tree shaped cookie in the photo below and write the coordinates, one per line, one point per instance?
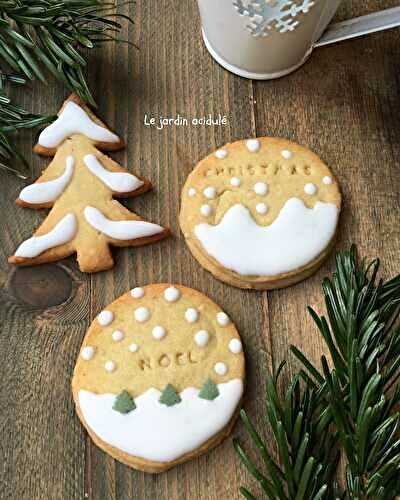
(261, 213)
(160, 377)
(79, 186)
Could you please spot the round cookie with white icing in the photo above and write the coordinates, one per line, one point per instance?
(261, 213)
(160, 377)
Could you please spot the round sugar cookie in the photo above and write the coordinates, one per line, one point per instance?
(261, 213)
(160, 377)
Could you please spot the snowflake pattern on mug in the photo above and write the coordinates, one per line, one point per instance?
(267, 15)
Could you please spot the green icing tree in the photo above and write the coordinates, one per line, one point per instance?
(124, 403)
(169, 396)
(209, 391)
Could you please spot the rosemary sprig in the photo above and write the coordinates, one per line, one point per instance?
(40, 37)
(356, 398)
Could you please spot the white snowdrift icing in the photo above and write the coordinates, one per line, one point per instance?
(74, 120)
(296, 237)
(157, 432)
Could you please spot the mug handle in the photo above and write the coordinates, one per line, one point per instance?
(359, 26)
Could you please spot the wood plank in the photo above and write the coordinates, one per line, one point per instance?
(37, 347)
(342, 103)
(171, 76)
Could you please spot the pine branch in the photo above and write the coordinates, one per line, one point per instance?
(41, 37)
(353, 405)
(12, 119)
(362, 390)
(307, 449)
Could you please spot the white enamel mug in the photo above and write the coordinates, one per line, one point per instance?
(266, 39)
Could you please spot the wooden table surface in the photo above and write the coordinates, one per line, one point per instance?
(344, 104)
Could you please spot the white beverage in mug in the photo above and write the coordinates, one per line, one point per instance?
(264, 39)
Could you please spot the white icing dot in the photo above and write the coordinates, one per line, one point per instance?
(172, 294)
(262, 208)
(235, 346)
(142, 314)
(221, 369)
(206, 210)
(133, 347)
(310, 188)
(87, 353)
(110, 366)
(105, 318)
(261, 188)
(137, 293)
(210, 192)
(192, 192)
(117, 336)
(221, 154)
(286, 154)
(159, 332)
(191, 315)
(201, 338)
(235, 181)
(223, 319)
(253, 145)
(327, 180)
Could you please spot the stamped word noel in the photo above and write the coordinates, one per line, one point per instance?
(162, 122)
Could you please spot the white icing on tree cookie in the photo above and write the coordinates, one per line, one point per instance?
(119, 182)
(240, 244)
(62, 233)
(120, 230)
(46, 192)
(157, 432)
(74, 120)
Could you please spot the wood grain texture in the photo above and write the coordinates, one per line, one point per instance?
(343, 103)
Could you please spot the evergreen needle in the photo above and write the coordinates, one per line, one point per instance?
(351, 404)
(41, 37)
